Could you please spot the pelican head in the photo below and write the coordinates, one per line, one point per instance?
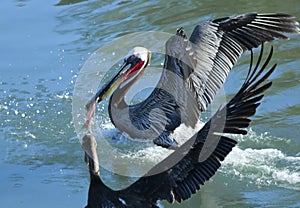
(137, 59)
(133, 66)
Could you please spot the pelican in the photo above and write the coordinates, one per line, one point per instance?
(194, 70)
(185, 177)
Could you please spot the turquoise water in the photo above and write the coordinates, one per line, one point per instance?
(43, 48)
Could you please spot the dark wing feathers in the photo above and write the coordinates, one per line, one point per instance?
(224, 41)
(218, 44)
(241, 106)
(196, 68)
(190, 181)
(186, 176)
(203, 64)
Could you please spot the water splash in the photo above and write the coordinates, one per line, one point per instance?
(256, 165)
(264, 166)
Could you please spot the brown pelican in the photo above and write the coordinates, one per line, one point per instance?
(194, 70)
(185, 177)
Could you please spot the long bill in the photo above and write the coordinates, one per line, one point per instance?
(104, 92)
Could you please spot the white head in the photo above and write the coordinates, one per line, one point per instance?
(137, 59)
(134, 64)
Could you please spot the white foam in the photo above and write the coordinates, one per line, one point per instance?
(183, 133)
(262, 138)
(65, 95)
(288, 176)
(264, 166)
(147, 151)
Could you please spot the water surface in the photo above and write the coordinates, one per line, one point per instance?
(44, 46)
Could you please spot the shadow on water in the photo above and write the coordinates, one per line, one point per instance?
(68, 2)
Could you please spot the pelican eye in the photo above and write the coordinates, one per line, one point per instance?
(133, 60)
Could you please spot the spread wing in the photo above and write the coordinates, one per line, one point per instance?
(185, 177)
(195, 69)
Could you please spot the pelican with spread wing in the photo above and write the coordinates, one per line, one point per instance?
(194, 70)
(177, 181)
